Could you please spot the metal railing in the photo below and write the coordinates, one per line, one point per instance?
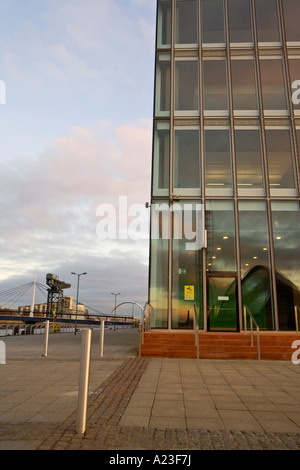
(252, 320)
(196, 330)
(144, 325)
(297, 310)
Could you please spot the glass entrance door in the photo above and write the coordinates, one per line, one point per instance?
(222, 302)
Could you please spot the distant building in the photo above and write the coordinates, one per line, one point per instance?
(68, 308)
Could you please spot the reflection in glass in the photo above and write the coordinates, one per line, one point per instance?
(162, 92)
(159, 264)
(286, 229)
(244, 85)
(161, 157)
(187, 159)
(218, 174)
(186, 30)
(291, 9)
(267, 20)
(280, 160)
(186, 85)
(221, 235)
(164, 9)
(273, 85)
(222, 303)
(213, 21)
(240, 24)
(248, 160)
(255, 262)
(215, 86)
(187, 266)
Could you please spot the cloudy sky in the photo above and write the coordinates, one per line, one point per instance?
(75, 138)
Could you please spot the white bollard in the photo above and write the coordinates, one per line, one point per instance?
(84, 380)
(102, 338)
(46, 338)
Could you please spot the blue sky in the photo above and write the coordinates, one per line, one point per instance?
(75, 133)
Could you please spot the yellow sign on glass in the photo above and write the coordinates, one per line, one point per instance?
(188, 292)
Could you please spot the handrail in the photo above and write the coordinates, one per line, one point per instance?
(252, 319)
(196, 330)
(296, 318)
(144, 325)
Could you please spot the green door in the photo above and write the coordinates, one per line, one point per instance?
(222, 302)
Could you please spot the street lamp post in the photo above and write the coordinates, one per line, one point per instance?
(112, 293)
(78, 276)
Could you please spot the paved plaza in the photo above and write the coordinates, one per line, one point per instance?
(143, 403)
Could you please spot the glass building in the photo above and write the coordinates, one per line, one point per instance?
(225, 214)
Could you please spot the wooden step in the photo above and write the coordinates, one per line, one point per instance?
(219, 345)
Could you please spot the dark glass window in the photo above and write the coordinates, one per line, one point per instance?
(161, 157)
(163, 92)
(291, 10)
(249, 168)
(273, 85)
(218, 174)
(186, 85)
(267, 20)
(187, 159)
(186, 30)
(244, 86)
(213, 21)
(240, 24)
(280, 160)
(215, 86)
(164, 15)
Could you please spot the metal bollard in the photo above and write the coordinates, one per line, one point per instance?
(84, 380)
(102, 338)
(46, 338)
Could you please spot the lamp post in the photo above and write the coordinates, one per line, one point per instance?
(112, 293)
(78, 276)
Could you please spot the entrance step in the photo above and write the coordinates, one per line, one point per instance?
(221, 345)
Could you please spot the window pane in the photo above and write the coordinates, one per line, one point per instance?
(161, 152)
(164, 9)
(159, 264)
(186, 85)
(248, 160)
(273, 87)
(243, 85)
(240, 20)
(213, 21)
(267, 20)
(291, 10)
(255, 262)
(294, 66)
(280, 160)
(162, 92)
(286, 229)
(187, 265)
(218, 178)
(186, 22)
(187, 158)
(215, 85)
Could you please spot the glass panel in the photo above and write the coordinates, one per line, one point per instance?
(280, 160)
(244, 86)
(255, 262)
(186, 85)
(215, 86)
(160, 217)
(162, 89)
(291, 9)
(218, 175)
(212, 20)
(221, 314)
(161, 158)
(187, 159)
(187, 265)
(164, 15)
(249, 161)
(294, 66)
(298, 143)
(186, 22)
(286, 229)
(267, 21)
(240, 21)
(220, 228)
(273, 85)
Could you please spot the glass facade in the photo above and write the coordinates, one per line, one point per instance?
(225, 206)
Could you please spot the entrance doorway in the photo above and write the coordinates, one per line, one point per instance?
(222, 311)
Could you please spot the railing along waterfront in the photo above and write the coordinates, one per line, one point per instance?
(252, 320)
